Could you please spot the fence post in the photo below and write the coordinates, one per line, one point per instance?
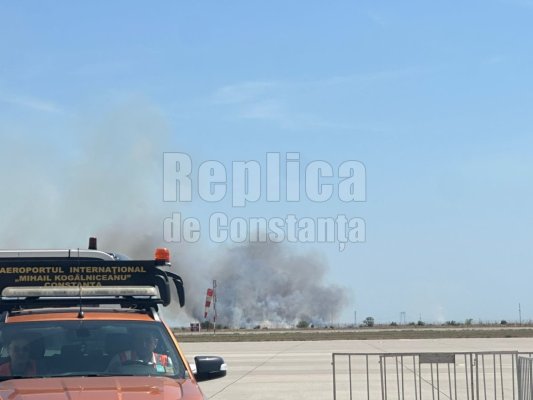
(334, 386)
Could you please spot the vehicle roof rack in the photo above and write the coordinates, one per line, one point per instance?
(61, 278)
(57, 254)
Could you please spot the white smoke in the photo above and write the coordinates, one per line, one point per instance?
(271, 285)
(102, 180)
(106, 181)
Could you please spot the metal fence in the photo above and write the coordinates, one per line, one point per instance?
(435, 376)
(525, 378)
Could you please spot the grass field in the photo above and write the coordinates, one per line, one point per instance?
(436, 332)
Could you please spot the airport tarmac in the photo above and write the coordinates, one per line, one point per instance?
(302, 370)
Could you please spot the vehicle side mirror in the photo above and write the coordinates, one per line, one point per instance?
(209, 367)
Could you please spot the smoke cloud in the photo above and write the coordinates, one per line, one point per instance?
(270, 285)
(106, 181)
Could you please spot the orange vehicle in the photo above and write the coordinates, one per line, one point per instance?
(85, 325)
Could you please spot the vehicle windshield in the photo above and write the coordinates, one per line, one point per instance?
(88, 348)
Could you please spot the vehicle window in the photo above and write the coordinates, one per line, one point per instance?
(82, 348)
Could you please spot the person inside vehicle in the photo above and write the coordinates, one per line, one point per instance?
(142, 353)
(20, 362)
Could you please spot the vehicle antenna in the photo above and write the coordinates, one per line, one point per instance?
(81, 314)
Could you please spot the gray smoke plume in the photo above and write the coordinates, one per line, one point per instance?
(106, 181)
(270, 285)
(60, 189)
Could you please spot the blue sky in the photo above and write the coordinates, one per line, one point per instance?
(435, 99)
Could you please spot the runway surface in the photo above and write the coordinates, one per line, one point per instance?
(302, 370)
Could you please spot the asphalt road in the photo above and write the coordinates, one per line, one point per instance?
(302, 370)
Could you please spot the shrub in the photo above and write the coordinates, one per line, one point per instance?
(302, 324)
(206, 325)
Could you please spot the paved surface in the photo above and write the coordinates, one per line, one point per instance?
(302, 370)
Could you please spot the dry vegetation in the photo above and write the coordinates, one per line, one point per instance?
(428, 332)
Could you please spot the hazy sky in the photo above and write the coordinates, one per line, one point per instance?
(434, 98)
